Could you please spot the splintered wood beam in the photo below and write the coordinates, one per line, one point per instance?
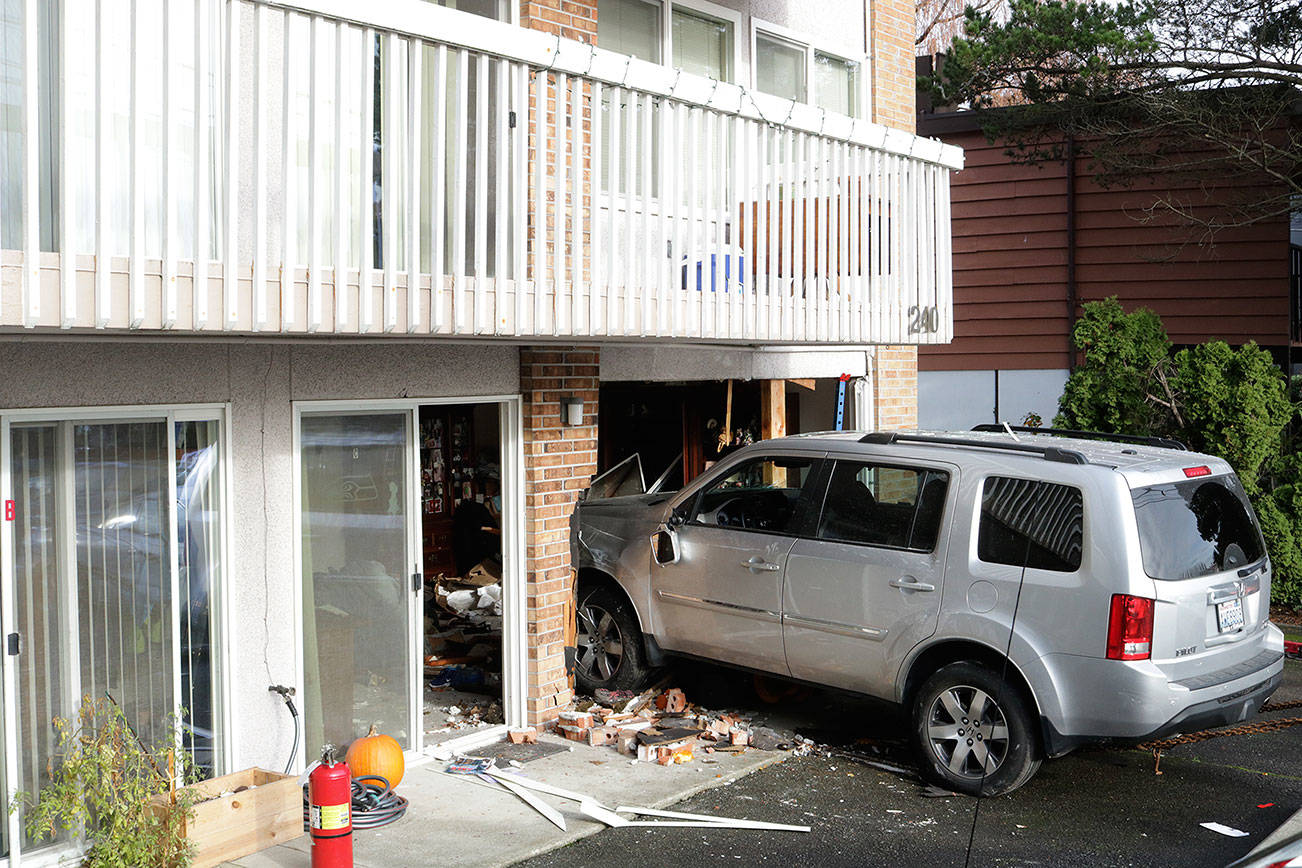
(773, 409)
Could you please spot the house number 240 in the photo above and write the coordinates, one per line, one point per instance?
(924, 319)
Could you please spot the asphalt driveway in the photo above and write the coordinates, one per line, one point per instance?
(1096, 807)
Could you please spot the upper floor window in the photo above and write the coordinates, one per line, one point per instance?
(630, 27)
(780, 66)
(700, 38)
(496, 9)
(788, 65)
(702, 43)
(836, 84)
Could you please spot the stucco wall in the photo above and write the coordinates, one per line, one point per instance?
(259, 381)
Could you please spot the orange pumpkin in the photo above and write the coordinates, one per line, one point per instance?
(375, 754)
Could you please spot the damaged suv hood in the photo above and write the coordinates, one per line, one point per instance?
(600, 530)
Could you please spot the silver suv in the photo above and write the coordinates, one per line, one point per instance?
(1020, 593)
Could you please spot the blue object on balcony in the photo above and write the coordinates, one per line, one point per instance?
(718, 281)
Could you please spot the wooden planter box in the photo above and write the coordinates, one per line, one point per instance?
(228, 827)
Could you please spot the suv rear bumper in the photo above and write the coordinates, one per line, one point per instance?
(1209, 714)
(1093, 699)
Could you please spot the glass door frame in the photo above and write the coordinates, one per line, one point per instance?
(514, 612)
(224, 742)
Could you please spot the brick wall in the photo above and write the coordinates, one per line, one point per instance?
(895, 380)
(894, 77)
(894, 80)
(558, 463)
(570, 20)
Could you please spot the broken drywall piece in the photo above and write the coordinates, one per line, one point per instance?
(541, 787)
(531, 800)
(1224, 830)
(600, 813)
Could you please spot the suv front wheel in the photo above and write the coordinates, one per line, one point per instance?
(609, 644)
(972, 731)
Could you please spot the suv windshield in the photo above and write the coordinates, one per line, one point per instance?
(1197, 528)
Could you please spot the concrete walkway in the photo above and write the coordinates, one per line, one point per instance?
(458, 821)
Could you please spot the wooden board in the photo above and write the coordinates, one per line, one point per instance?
(228, 827)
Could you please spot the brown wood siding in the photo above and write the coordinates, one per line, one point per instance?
(1010, 265)
(1009, 224)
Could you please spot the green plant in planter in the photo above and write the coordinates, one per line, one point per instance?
(103, 784)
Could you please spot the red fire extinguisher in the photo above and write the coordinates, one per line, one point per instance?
(330, 798)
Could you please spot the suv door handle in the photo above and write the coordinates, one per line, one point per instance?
(908, 583)
(762, 565)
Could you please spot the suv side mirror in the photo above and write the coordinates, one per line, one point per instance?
(664, 546)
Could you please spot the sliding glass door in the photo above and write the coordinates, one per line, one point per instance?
(116, 546)
(357, 561)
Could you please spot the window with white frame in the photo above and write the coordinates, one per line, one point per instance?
(836, 84)
(787, 65)
(703, 44)
(630, 27)
(701, 39)
(780, 66)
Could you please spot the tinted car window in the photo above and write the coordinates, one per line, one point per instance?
(1195, 528)
(1032, 523)
(898, 507)
(762, 494)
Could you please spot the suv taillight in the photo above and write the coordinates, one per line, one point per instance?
(1130, 628)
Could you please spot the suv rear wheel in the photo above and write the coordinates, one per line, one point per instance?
(609, 644)
(973, 732)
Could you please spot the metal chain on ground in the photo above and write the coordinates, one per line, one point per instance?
(1280, 706)
(1205, 735)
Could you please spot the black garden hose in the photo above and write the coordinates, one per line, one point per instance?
(374, 803)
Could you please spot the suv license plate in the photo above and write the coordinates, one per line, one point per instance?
(1230, 615)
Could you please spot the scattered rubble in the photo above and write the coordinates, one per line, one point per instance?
(661, 726)
(463, 633)
(488, 714)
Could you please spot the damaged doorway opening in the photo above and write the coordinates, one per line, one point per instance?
(399, 501)
(461, 547)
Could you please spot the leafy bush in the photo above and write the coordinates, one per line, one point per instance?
(102, 785)
(1226, 401)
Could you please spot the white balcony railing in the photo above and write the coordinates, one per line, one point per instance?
(394, 167)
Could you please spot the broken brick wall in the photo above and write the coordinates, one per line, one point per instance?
(559, 461)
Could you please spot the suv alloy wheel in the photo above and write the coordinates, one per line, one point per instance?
(609, 644)
(972, 731)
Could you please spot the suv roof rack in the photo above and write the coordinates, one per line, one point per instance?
(1048, 453)
(1138, 440)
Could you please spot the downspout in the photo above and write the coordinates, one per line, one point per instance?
(1072, 298)
(870, 49)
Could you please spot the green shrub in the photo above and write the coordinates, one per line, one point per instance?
(1234, 403)
(102, 785)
